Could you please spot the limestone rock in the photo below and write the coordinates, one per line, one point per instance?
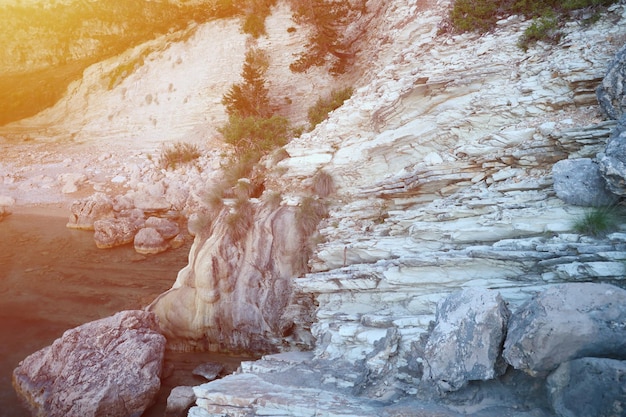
(166, 228)
(579, 182)
(234, 292)
(465, 343)
(179, 401)
(109, 367)
(565, 322)
(611, 93)
(209, 370)
(85, 212)
(589, 387)
(71, 181)
(612, 161)
(148, 241)
(109, 233)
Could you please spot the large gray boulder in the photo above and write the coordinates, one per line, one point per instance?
(612, 162)
(579, 182)
(589, 387)
(566, 322)
(611, 92)
(109, 367)
(465, 344)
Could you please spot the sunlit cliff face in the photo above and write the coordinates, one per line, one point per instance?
(46, 44)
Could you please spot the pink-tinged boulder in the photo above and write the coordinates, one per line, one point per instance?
(109, 367)
(86, 211)
(166, 228)
(115, 232)
(148, 241)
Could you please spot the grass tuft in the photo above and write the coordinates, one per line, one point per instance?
(180, 153)
(598, 221)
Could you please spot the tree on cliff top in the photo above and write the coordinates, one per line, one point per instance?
(328, 42)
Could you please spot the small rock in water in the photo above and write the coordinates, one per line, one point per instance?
(149, 241)
(179, 401)
(209, 370)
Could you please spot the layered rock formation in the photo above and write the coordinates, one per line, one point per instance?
(442, 161)
(234, 293)
(442, 168)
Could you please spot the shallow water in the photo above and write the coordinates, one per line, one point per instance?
(53, 278)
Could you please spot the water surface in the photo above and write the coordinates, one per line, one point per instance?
(53, 278)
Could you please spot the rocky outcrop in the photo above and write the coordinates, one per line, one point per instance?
(567, 322)
(611, 93)
(107, 367)
(234, 293)
(612, 161)
(149, 241)
(179, 401)
(442, 162)
(84, 213)
(109, 233)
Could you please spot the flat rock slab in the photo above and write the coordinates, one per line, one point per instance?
(109, 367)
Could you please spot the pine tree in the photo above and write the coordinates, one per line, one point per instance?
(327, 19)
(250, 97)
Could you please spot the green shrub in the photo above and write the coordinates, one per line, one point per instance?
(482, 15)
(545, 28)
(273, 199)
(471, 15)
(255, 134)
(319, 111)
(599, 221)
(178, 154)
(327, 20)
(254, 24)
(255, 15)
(251, 96)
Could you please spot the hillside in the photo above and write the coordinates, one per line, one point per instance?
(434, 177)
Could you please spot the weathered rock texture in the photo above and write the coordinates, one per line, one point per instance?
(579, 182)
(589, 387)
(465, 344)
(612, 161)
(611, 92)
(84, 213)
(442, 168)
(235, 290)
(109, 367)
(567, 322)
(442, 162)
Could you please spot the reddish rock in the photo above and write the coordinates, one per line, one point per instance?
(109, 367)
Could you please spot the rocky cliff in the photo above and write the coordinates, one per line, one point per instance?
(441, 166)
(442, 162)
